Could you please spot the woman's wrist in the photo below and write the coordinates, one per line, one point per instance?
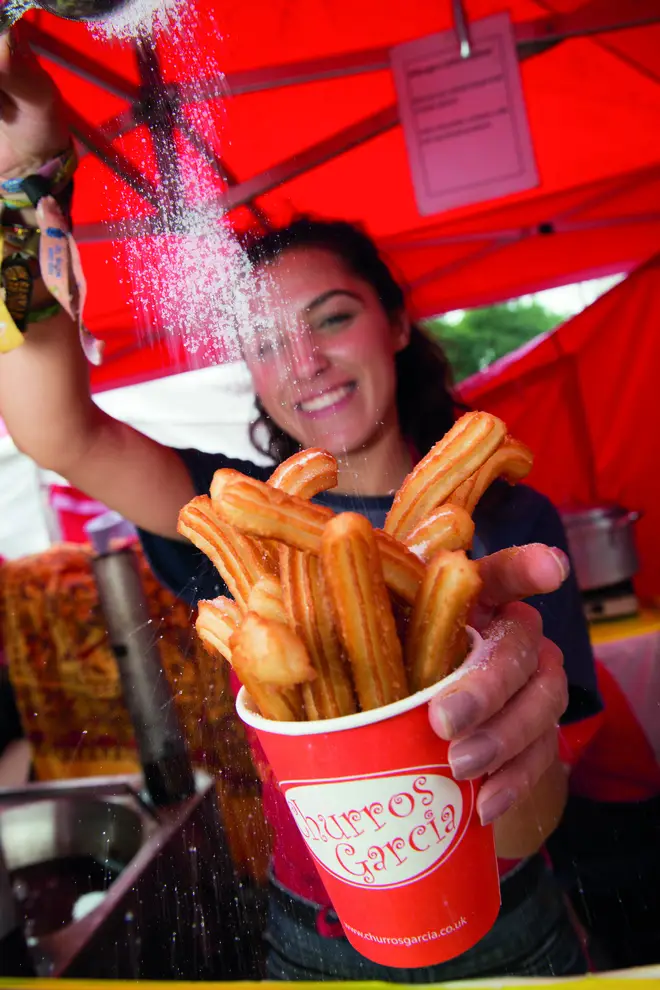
(28, 216)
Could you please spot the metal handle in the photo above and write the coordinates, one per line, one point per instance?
(461, 24)
(630, 517)
(12, 11)
(55, 790)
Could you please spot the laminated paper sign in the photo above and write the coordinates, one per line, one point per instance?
(464, 120)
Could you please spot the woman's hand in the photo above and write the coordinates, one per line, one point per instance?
(32, 129)
(501, 714)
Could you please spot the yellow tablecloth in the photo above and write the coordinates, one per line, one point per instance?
(648, 621)
(634, 979)
(630, 650)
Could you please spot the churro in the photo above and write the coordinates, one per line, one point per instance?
(226, 476)
(217, 621)
(222, 478)
(271, 514)
(362, 606)
(436, 641)
(272, 652)
(330, 694)
(274, 515)
(449, 527)
(280, 704)
(402, 569)
(308, 604)
(512, 461)
(306, 474)
(267, 601)
(331, 616)
(235, 556)
(448, 464)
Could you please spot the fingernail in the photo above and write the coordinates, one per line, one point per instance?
(472, 756)
(562, 560)
(494, 807)
(454, 713)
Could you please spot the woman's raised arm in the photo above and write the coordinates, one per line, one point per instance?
(45, 399)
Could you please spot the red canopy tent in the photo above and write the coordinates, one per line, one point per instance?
(306, 120)
(592, 385)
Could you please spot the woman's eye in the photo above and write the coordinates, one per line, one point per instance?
(334, 320)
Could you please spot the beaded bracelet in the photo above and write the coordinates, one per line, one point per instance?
(49, 191)
(52, 179)
(44, 313)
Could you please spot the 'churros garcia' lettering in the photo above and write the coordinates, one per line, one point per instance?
(382, 831)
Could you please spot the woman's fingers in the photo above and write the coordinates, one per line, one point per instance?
(485, 685)
(517, 778)
(517, 573)
(500, 712)
(533, 711)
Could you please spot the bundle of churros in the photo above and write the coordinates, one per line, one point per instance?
(329, 616)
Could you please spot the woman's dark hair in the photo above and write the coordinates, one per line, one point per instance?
(426, 405)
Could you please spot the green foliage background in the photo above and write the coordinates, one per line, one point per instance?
(482, 336)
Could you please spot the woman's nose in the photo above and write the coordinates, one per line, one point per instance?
(306, 358)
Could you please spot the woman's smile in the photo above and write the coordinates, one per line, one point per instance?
(327, 402)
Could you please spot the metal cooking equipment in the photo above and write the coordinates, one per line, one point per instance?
(601, 540)
(56, 829)
(71, 10)
(165, 762)
(173, 907)
(14, 952)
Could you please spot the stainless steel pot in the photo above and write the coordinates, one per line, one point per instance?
(601, 539)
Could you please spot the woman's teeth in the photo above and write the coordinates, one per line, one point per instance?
(325, 400)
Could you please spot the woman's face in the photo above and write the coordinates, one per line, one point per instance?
(325, 373)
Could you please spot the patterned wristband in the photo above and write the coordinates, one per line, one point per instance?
(43, 313)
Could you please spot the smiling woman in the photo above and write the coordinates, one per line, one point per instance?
(344, 368)
(341, 367)
(329, 378)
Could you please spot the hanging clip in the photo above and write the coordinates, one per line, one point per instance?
(461, 24)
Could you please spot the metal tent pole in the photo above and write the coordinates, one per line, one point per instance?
(157, 108)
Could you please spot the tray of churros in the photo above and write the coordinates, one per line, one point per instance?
(340, 635)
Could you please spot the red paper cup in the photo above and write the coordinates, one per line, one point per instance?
(410, 870)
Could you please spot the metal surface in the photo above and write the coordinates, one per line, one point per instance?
(176, 909)
(158, 109)
(601, 607)
(101, 787)
(41, 831)
(92, 71)
(146, 691)
(605, 515)
(110, 156)
(601, 539)
(8, 914)
(71, 10)
(461, 25)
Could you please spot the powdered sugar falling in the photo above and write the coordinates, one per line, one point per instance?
(190, 279)
(138, 18)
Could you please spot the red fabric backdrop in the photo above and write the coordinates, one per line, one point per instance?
(586, 400)
(307, 121)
